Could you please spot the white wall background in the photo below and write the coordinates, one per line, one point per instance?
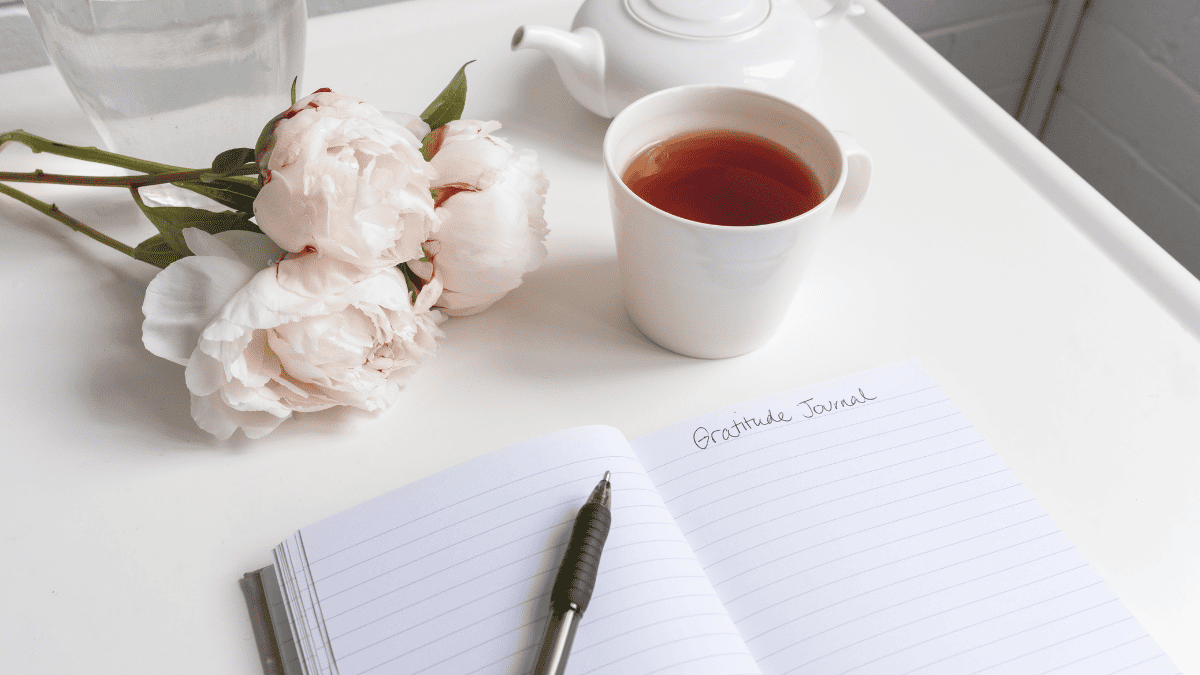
(993, 42)
(1111, 86)
(1127, 115)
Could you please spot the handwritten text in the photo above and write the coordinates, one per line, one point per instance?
(702, 437)
(809, 410)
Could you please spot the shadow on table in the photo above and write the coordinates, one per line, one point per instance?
(567, 322)
(85, 288)
(547, 115)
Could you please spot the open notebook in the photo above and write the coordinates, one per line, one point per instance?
(856, 526)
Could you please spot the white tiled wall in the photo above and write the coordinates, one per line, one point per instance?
(993, 42)
(1117, 95)
(1127, 115)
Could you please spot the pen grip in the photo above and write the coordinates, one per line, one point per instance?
(577, 576)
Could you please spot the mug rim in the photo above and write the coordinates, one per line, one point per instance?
(607, 150)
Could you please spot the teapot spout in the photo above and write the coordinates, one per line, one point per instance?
(578, 56)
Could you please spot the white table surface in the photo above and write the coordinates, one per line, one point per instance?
(1066, 336)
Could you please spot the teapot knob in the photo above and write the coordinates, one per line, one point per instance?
(701, 18)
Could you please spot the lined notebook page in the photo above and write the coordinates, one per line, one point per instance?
(862, 526)
(452, 574)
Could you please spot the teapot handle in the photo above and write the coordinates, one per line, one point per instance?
(840, 9)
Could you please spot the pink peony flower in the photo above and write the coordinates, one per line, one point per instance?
(490, 199)
(349, 182)
(261, 341)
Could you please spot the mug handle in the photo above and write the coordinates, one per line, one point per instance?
(858, 176)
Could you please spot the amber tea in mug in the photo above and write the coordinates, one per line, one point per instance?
(723, 177)
(702, 289)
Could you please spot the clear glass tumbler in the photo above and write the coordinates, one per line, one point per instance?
(176, 81)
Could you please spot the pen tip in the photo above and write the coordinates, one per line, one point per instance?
(602, 494)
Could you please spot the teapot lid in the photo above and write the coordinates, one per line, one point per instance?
(700, 18)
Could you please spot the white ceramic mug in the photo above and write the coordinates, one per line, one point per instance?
(713, 291)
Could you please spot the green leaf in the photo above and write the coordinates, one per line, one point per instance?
(156, 251)
(266, 143)
(231, 160)
(414, 282)
(237, 193)
(171, 221)
(266, 139)
(448, 106)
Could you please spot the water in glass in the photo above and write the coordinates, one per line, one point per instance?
(176, 81)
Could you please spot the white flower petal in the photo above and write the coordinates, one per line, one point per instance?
(186, 297)
(212, 415)
(202, 243)
(169, 195)
(204, 375)
(254, 249)
(414, 124)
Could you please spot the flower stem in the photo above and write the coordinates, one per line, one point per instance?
(89, 154)
(52, 211)
(40, 176)
(103, 181)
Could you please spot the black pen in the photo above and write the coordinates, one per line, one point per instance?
(576, 579)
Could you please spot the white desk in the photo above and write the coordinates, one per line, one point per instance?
(125, 528)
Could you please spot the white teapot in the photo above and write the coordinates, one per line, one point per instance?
(620, 50)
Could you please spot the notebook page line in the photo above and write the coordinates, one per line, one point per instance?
(1092, 656)
(1006, 637)
(690, 618)
(435, 512)
(1074, 637)
(392, 570)
(888, 523)
(792, 458)
(929, 616)
(972, 580)
(662, 622)
(674, 664)
(555, 548)
(833, 500)
(359, 560)
(870, 508)
(849, 555)
(492, 569)
(1134, 665)
(843, 517)
(544, 597)
(633, 608)
(832, 482)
